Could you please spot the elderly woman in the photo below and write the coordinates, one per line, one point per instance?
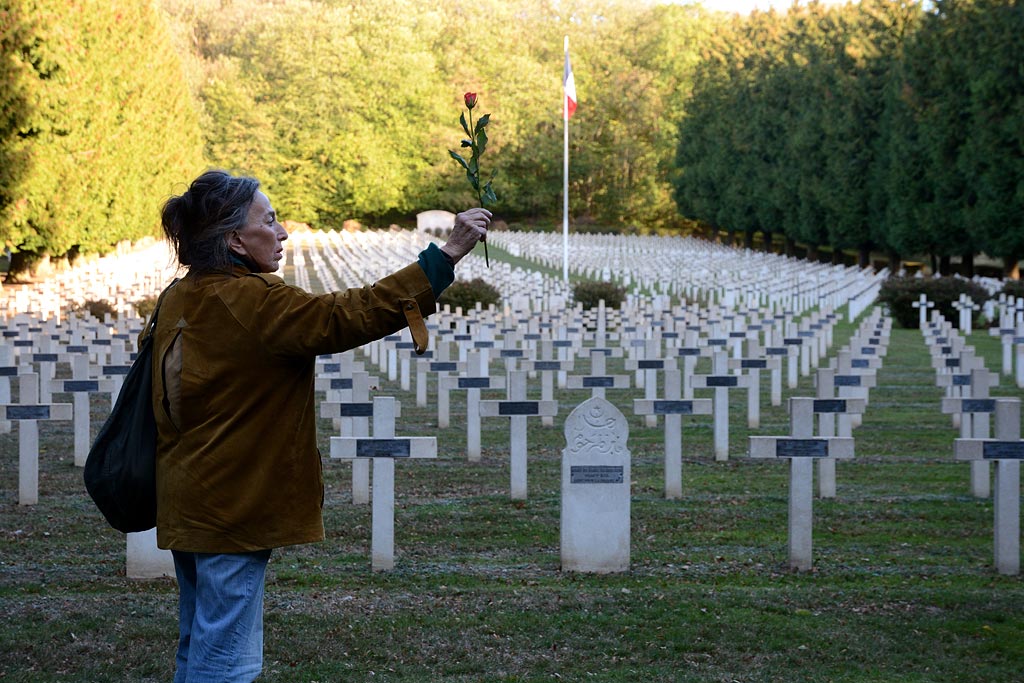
(238, 469)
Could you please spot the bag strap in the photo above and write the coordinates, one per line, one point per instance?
(147, 330)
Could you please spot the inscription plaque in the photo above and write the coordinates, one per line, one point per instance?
(829, 405)
(338, 383)
(547, 365)
(650, 365)
(1003, 450)
(75, 385)
(598, 382)
(382, 448)
(28, 412)
(355, 410)
(474, 382)
(673, 407)
(518, 408)
(443, 366)
(722, 381)
(595, 474)
(801, 448)
(978, 405)
(847, 380)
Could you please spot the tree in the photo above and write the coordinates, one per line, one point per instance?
(109, 127)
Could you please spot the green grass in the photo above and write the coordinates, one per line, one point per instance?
(902, 588)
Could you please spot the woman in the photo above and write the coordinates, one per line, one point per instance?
(238, 470)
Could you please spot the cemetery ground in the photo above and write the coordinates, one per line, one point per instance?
(902, 587)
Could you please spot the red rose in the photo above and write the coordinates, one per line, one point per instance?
(470, 98)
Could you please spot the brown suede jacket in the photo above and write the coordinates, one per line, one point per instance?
(238, 467)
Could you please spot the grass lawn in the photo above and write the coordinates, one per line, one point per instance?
(902, 589)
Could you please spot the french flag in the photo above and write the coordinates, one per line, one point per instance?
(569, 85)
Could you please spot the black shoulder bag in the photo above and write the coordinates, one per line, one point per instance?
(120, 471)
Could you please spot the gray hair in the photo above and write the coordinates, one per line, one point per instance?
(198, 221)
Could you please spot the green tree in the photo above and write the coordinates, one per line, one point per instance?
(108, 130)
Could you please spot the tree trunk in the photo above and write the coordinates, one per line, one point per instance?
(1011, 268)
(789, 245)
(967, 261)
(895, 262)
(767, 236)
(748, 239)
(730, 236)
(945, 265)
(864, 257)
(812, 252)
(837, 257)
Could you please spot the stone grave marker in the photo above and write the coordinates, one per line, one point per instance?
(1007, 450)
(383, 448)
(27, 412)
(517, 409)
(673, 407)
(595, 510)
(721, 381)
(973, 408)
(801, 448)
(144, 560)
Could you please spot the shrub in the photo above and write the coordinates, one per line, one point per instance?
(1014, 288)
(97, 308)
(144, 307)
(467, 294)
(590, 292)
(900, 293)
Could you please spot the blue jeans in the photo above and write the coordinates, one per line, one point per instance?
(220, 616)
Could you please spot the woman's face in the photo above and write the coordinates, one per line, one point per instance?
(260, 240)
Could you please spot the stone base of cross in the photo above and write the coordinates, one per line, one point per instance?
(801, 449)
(383, 448)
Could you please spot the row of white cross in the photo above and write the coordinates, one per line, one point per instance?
(967, 385)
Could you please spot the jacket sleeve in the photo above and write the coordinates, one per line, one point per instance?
(292, 322)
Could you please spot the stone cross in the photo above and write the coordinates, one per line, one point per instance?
(721, 381)
(648, 368)
(595, 514)
(81, 386)
(966, 306)
(801, 448)
(353, 417)
(673, 407)
(598, 380)
(1006, 336)
(922, 305)
(383, 448)
(973, 407)
(27, 412)
(546, 369)
(517, 409)
(1007, 450)
(472, 386)
(442, 368)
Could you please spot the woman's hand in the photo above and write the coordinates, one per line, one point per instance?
(470, 228)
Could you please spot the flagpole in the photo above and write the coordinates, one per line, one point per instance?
(565, 180)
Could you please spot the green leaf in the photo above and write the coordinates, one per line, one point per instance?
(474, 166)
(458, 158)
(481, 142)
(488, 196)
(465, 126)
(482, 123)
